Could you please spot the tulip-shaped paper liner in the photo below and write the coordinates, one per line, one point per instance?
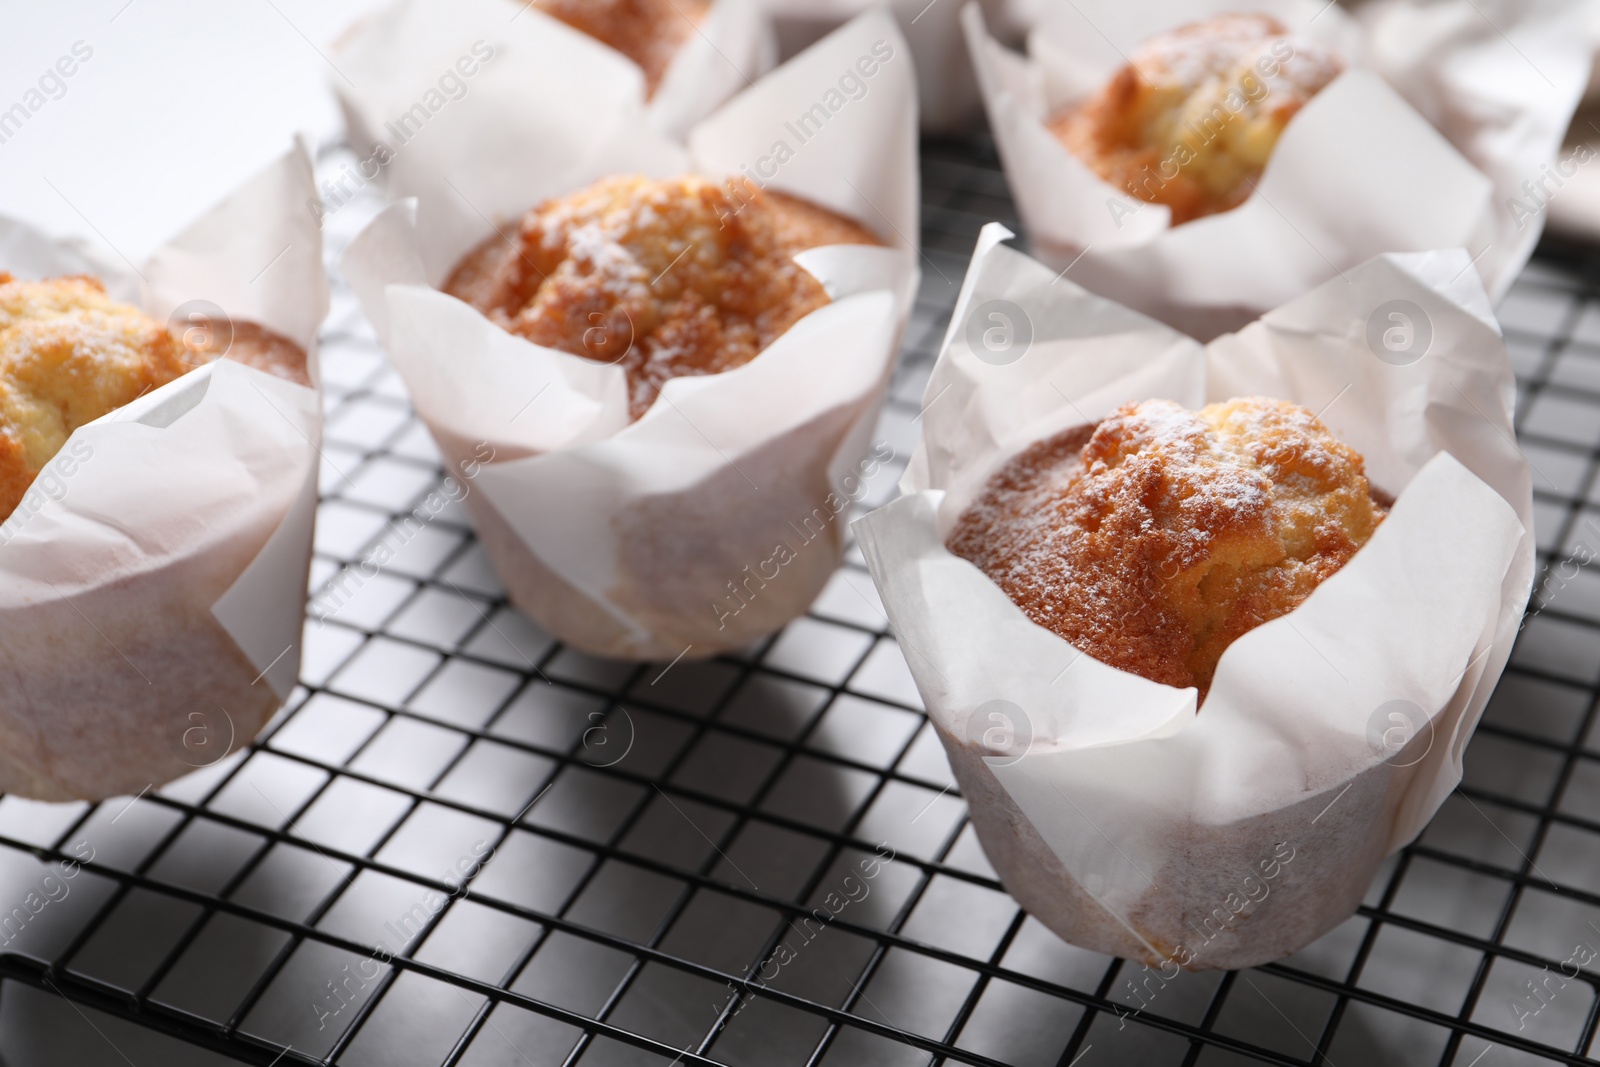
(947, 92)
(1125, 820)
(400, 67)
(1357, 172)
(713, 519)
(152, 580)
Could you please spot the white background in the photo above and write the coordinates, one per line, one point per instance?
(181, 101)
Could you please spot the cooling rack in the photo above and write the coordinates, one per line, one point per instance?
(461, 843)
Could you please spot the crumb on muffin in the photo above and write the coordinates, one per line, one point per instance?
(69, 354)
(1155, 539)
(1192, 119)
(649, 32)
(666, 278)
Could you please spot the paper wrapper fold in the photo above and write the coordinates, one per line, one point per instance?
(393, 58)
(1422, 143)
(152, 582)
(947, 90)
(1123, 819)
(659, 537)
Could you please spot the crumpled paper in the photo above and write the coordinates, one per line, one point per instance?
(731, 47)
(712, 520)
(947, 90)
(152, 581)
(1446, 107)
(1123, 818)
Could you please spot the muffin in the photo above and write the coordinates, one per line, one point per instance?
(649, 32)
(663, 277)
(70, 354)
(1192, 118)
(1155, 539)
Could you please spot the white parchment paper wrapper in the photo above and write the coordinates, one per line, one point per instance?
(635, 539)
(1446, 109)
(1130, 819)
(392, 58)
(152, 582)
(946, 87)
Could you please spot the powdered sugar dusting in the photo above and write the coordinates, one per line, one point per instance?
(1192, 119)
(1157, 538)
(665, 278)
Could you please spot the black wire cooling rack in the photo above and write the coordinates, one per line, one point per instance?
(659, 834)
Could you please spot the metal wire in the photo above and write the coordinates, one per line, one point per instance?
(656, 901)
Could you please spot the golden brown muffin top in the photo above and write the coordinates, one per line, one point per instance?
(664, 277)
(70, 354)
(1155, 539)
(1193, 117)
(649, 32)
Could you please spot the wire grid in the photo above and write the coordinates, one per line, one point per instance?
(660, 834)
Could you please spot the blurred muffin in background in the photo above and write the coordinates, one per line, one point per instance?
(1192, 119)
(649, 32)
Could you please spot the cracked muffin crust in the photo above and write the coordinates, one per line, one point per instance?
(666, 278)
(69, 354)
(1155, 539)
(1192, 119)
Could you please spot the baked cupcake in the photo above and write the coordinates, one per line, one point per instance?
(1192, 119)
(156, 499)
(70, 354)
(1194, 677)
(1156, 538)
(677, 375)
(665, 278)
(649, 32)
(1390, 154)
